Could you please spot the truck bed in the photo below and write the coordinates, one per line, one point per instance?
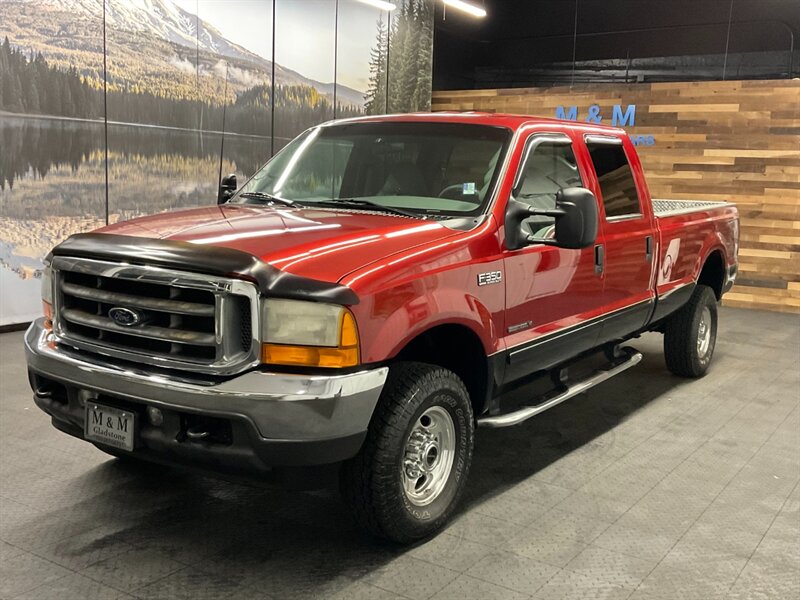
(667, 208)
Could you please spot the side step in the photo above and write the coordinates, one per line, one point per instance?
(514, 418)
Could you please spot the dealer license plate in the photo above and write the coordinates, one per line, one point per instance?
(110, 426)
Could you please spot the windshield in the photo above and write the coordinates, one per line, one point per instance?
(430, 168)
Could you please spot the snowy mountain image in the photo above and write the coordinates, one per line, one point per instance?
(153, 46)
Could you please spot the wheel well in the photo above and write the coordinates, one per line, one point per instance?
(457, 348)
(713, 273)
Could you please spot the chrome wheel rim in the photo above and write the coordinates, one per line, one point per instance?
(704, 333)
(428, 457)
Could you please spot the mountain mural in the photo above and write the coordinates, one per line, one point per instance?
(181, 104)
(152, 46)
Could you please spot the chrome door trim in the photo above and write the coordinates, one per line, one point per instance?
(570, 329)
(596, 138)
(630, 217)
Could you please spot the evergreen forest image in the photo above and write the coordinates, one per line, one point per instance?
(405, 52)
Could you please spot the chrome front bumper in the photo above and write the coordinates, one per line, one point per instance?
(278, 407)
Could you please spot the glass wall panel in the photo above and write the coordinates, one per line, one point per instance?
(52, 169)
(410, 56)
(304, 65)
(235, 80)
(361, 55)
(157, 160)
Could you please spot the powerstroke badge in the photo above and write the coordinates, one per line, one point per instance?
(490, 277)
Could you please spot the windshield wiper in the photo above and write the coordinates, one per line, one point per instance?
(267, 198)
(369, 203)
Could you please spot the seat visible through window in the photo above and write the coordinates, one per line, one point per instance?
(550, 168)
(404, 179)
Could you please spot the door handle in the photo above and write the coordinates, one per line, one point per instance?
(648, 248)
(599, 258)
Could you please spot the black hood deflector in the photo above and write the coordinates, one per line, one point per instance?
(198, 258)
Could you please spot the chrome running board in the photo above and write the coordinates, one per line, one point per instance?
(523, 414)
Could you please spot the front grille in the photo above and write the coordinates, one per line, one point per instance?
(157, 316)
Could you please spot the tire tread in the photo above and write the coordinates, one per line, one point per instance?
(366, 478)
(679, 336)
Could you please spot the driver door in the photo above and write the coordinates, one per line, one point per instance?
(554, 295)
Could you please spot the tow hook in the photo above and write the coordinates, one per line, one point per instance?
(197, 434)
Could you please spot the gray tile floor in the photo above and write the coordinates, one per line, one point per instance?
(648, 487)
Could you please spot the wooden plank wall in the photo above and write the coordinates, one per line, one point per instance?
(721, 140)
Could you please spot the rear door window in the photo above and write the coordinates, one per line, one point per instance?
(615, 177)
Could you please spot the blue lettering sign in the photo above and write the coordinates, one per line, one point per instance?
(627, 119)
(571, 115)
(642, 140)
(622, 115)
(594, 114)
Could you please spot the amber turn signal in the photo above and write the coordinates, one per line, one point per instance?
(308, 356)
(47, 310)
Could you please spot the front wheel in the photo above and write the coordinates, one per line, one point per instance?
(409, 475)
(690, 335)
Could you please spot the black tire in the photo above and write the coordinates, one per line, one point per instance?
(683, 351)
(372, 482)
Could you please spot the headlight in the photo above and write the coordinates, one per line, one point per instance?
(309, 334)
(47, 294)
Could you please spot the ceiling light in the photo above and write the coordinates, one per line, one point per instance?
(380, 4)
(475, 11)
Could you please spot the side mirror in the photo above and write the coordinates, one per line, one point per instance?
(227, 188)
(576, 218)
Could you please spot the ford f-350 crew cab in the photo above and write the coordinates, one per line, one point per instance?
(369, 297)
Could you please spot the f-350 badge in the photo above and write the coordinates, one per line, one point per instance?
(490, 277)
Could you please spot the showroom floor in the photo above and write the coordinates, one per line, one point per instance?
(647, 487)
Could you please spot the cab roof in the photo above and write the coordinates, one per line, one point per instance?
(509, 121)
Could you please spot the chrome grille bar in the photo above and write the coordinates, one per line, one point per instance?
(170, 306)
(189, 321)
(147, 331)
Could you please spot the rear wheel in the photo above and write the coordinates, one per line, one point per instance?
(408, 477)
(690, 334)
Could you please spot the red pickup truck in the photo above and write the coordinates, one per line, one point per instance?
(370, 296)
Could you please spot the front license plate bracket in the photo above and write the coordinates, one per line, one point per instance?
(110, 426)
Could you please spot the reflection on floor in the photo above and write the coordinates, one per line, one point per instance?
(647, 487)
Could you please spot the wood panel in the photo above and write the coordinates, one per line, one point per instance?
(721, 140)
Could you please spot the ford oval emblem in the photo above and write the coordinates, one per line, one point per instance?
(125, 316)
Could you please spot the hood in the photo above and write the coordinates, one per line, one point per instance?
(323, 244)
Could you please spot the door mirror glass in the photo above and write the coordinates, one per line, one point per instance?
(576, 227)
(576, 220)
(227, 188)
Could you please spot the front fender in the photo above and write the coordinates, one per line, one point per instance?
(441, 283)
(393, 319)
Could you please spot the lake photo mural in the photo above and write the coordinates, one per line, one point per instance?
(116, 109)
